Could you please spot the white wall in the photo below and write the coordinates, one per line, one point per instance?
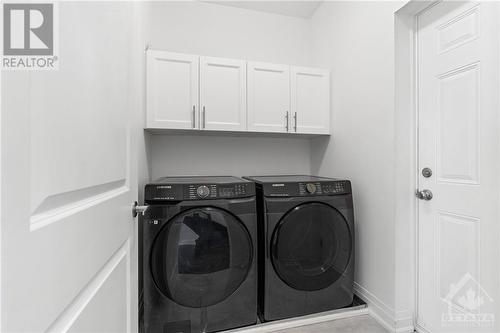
(222, 31)
(356, 41)
(226, 155)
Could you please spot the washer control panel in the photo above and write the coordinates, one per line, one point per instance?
(218, 191)
(201, 191)
(309, 188)
(178, 192)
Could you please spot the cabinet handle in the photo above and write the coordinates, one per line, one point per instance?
(295, 121)
(203, 120)
(286, 121)
(194, 117)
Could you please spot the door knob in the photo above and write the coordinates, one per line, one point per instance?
(424, 195)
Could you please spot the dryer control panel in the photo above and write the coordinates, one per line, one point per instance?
(164, 191)
(299, 189)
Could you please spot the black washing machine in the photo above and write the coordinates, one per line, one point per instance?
(306, 245)
(199, 258)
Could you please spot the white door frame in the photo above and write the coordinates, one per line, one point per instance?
(406, 154)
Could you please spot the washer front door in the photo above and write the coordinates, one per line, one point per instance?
(311, 246)
(201, 256)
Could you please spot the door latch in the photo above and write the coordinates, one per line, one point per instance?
(424, 195)
(136, 209)
(426, 172)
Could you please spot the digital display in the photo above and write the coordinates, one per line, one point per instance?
(226, 192)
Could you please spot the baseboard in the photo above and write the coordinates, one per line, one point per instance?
(378, 309)
(408, 329)
(383, 313)
(301, 321)
(404, 322)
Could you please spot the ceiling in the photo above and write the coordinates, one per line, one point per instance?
(303, 9)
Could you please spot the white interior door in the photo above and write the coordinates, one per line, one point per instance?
(223, 94)
(172, 90)
(310, 95)
(459, 126)
(68, 178)
(268, 97)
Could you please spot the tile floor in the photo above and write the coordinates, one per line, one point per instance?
(358, 324)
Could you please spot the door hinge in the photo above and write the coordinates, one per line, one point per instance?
(136, 209)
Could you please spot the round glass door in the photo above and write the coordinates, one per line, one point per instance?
(311, 246)
(201, 256)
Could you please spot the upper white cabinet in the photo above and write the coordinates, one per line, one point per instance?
(206, 93)
(310, 105)
(223, 94)
(268, 97)
(172, 90)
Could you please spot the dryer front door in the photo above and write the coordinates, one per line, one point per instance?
(201, 256)
(311, 246)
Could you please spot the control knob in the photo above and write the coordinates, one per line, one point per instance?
(203, 191)
(310, 188)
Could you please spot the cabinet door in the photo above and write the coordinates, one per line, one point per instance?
(310, 100)
(223, 94)
(172, 90)
(268, 97)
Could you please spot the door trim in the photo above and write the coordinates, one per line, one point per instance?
(406, 156)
